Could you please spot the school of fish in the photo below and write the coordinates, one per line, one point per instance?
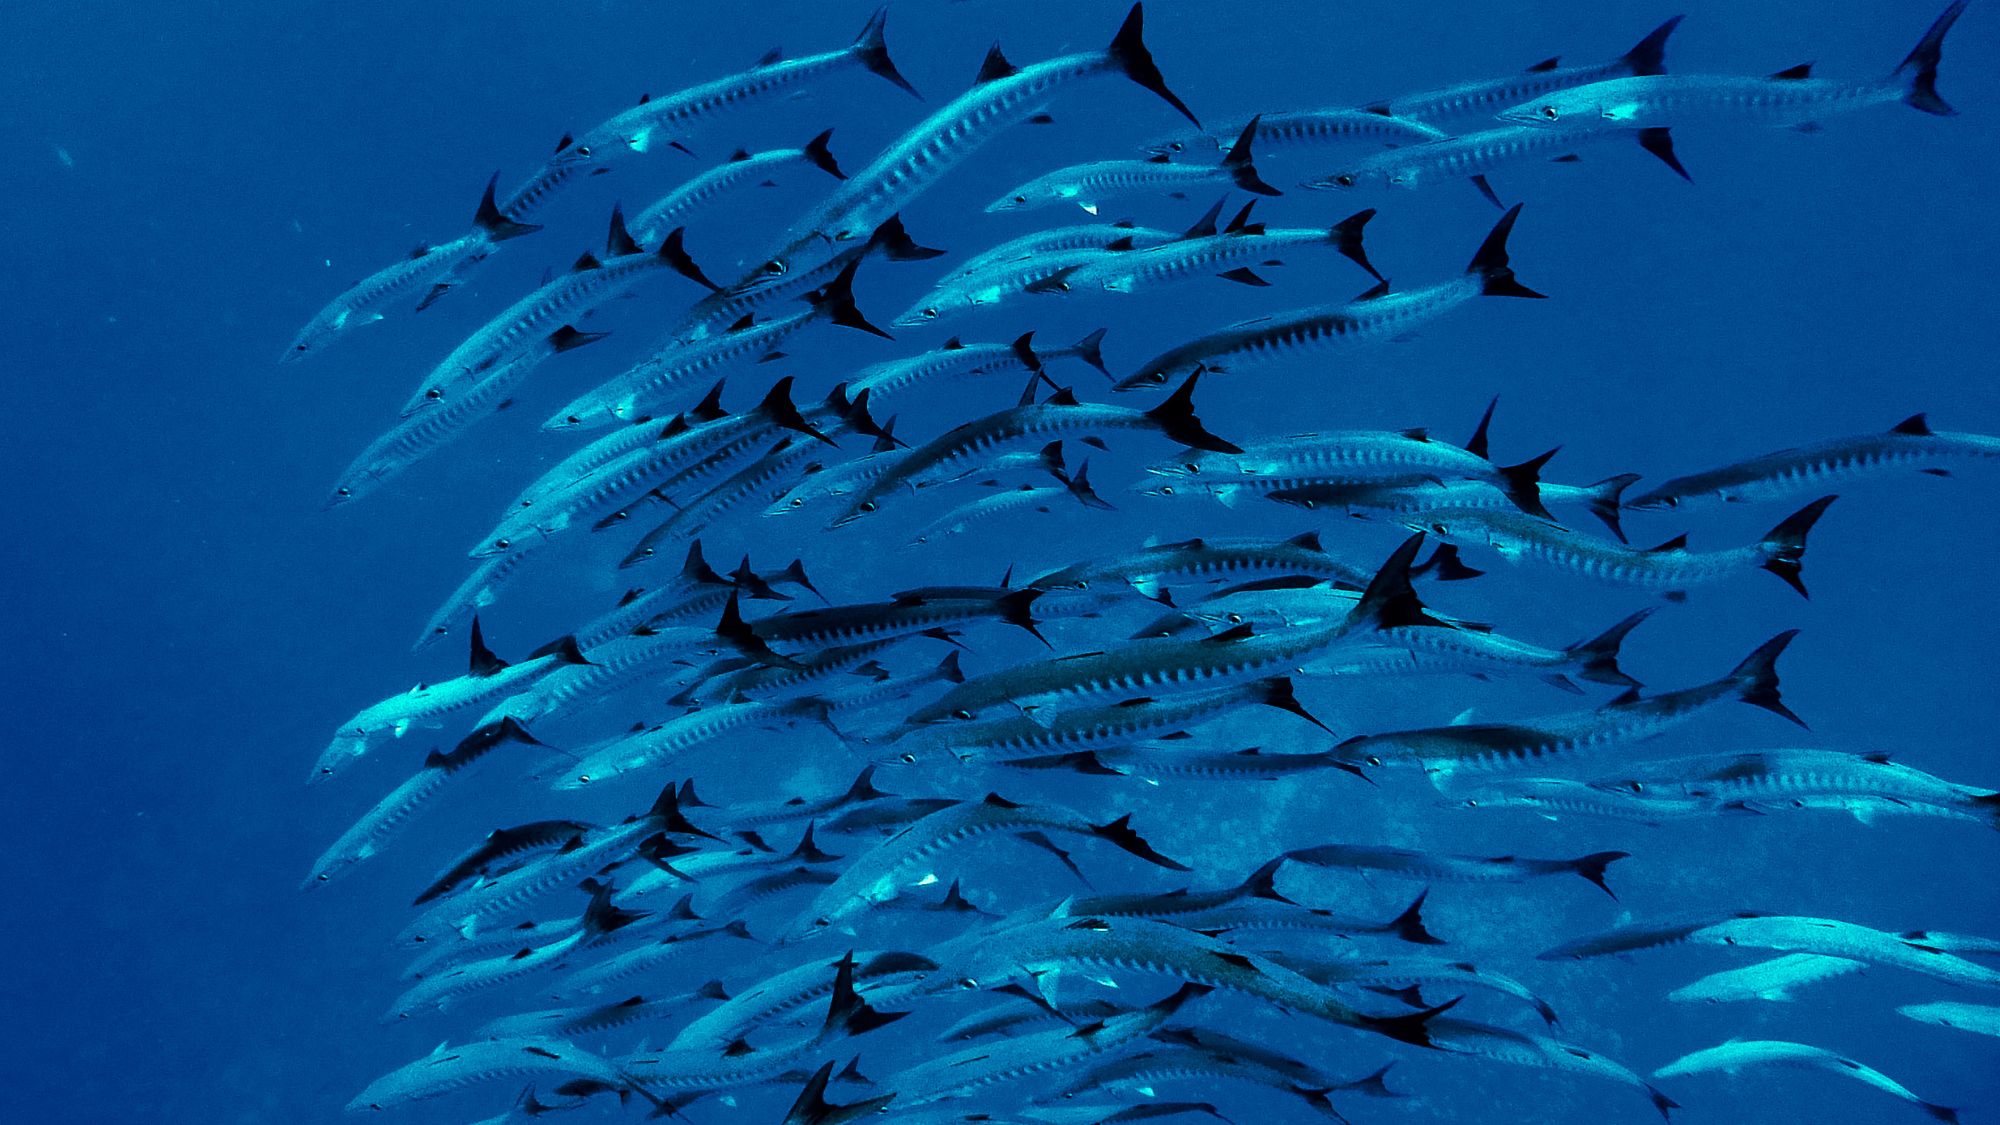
(843, 807)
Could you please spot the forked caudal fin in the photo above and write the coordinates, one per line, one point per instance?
(1597, 658)
(1346, 238)
(1129, 54)
(1119, 832)
(1240, 162)
(835, 301)
(1756, 678)
(1491, 264)
(1175, 418)
(498, 227)
(1649, 55)
(1919, 69)
(1592, 867)
(873, 52)
(1784, 546)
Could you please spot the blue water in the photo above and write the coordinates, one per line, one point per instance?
(185, 184)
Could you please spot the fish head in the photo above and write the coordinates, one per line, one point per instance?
(1581, 106)
(930, 310)
(1148, 379)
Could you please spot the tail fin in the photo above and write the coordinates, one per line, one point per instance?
(564, 649)
(673, 251)
(1408, 1028)
(821, 157)
(1919, 69)
(1176, 419)
(1490, 264)
(1079, 487)
(894, 243)
(1409, 925)
(1445, 563)
(740, 636)
(695, 568)
(1596, 659)
(1120, 832)
(873, 52)
(498, 227)
(1023, 348)
(1523, 484)
(1667, 1105)
(947, 670)
(777, 406)
(666, 811)
(618, 241)
(1592, 867)
(796, 575)
(1017, 608)
(1374, 1085)
(1240, 162)
(1938, 1112)
(1649, 55)
(1090, 350)
(1263, 882)
(1606, 501)
(835, 301)
(1756, 678)
(483, 661)
(847, 1013)
(1389, 600)
(812, 1108)
(1277, 692)
(1346, 238)
(1785, 545)
(1129, 54)
(600, 917)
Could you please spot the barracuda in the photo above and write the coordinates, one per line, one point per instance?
(883, 873)
(1786, 934)
(1771, 981)
(1218, 255)
(1408, 500)
(717, 311)
(1554, 797)
(1375, 316)
(450, 1069)
(1455, 868)
(1065, 730)
(1670, 568)
(588, 1019)
(1980, 1019)
(1303, 128)
(439, 992)
(1123, 235)
(1445, 751)
(1004, 95)
(1150, 570)
(616, 664)
(673, 209)
(435, 265)
(1763, 779)
(500, 844)
(1396, 975)
(1473, 155)
(780, 995)
(1519, 1048)
(1910, 446)
(958, 360)
(1788, 99)
(1088, 185)
(1490, 95)
(1742, 1054)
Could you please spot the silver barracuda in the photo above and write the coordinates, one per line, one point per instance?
(1521, 1048)
(955, 359)
(1455, 868)
(1487, 96)
(1217, 254)
(780, 995)
(450, 1069)
(1910, 446)
(717, 312)
(674, 208)
(1744, 1054)
(1089, 185)
(588, 1019)
(1980, 1019)
(1408, 499)
(1024, 497)
(1557, 797)
(1376, 315)
(1472, 155)
(1770, 981)
(1301, 128)
(440, 991)
(1122, 235)
(1791, 98)
(1762, 780)
(1785, 933)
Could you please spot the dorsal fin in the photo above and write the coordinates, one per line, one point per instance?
(1205, 226)
(1794, 73)
(483, 662)
(952, 345)
(1064, 396)
(618, 241)
(1546, 65)
(774, 55)
(743, 322)
(1159, 158)
(1477, 446)
(1118, 244)
(1677, 543)
(1240, 224)
(995, 67)
(1379, 289)
(1916, 425)
(739, 156)
(1306, 539)
(587, 261)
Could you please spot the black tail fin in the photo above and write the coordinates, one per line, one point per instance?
(1756, 678)
(835, 301)
(1016, 608)
(666, 811)
(1389, 601)
(1919, 69)
(498, 227)
(1079, 487)
(1649, 55)
(777, 406)
(695, 568)
(873, 51)
(1128, 53)
(895, 243)
(812, 1108)
(1596, 659)
(948, 670)
(618, 241)
(483, 661)
(1667, 1105)
(1090, 350)
(1240, 162)
(564, 649)
(733, 629)
(1446, 565)
(1277, 692)
(1408, 1028)
(847, 1013)
(673, 252)
(600, 917)
(1490, 264)
(796, 575)
(1176, 419)
(1346, 238)
(1374, 1085)
(1606, 501)
(1263, 882)
(1120, 832)
(1785, 545)
(1592, 867)
(568, 339)
(1523, 484)
(1409, 925)
(1023, 348)
(821, 157)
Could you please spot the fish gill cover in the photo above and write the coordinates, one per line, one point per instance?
(1049, 590)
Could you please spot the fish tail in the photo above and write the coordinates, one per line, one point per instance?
(1090, 350)
(1919, 69)
(835, 301)
(666, 811)
(1756, 678)
(1491, 265)
(1016, 608)
(695, 569)
(1346, 238)
(673, 252)
(1119, 832)
(1241, 162)
(1129, 54)
(1940, 1112)
(1597, 658)
(1277, 692)
(1389, 600)
(847, 1014)
(1592, 867)
(1079, 487)
(1606, 501)
(777, 406)
(1446, 564)
(1523, 484)
(1785, 545)
(1263, 882)
(1175, 418)
(1988, 805)
(872, 50)
(821, 157)
(601, 917)
(1374, 1085)
(893, 241)
(498, 227)
(1409, 925)
(1411, 1028)
(1661, 1101)
(1649, 55)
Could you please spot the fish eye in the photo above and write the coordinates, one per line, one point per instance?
(645, 552)
(1374, 760)
(930, 314)
(775, 268)
(322, 876)
(1234, 618)
(1437, 529)
(503, 544)
(583, 150)
(583, 779)
(961, 714)
(1157, 377)
(299, 347)
(797, 501)
(1020, 199)
(1550, 113)
(967, 982)
(1190, 466)
(1166, 490)
(1472, 802)
(343, 492)
(1635, 787)
(909, 759)
(434, 394)
(868, 506)
(1344, 180)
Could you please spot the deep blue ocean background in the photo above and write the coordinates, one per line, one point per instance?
(186, 183)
